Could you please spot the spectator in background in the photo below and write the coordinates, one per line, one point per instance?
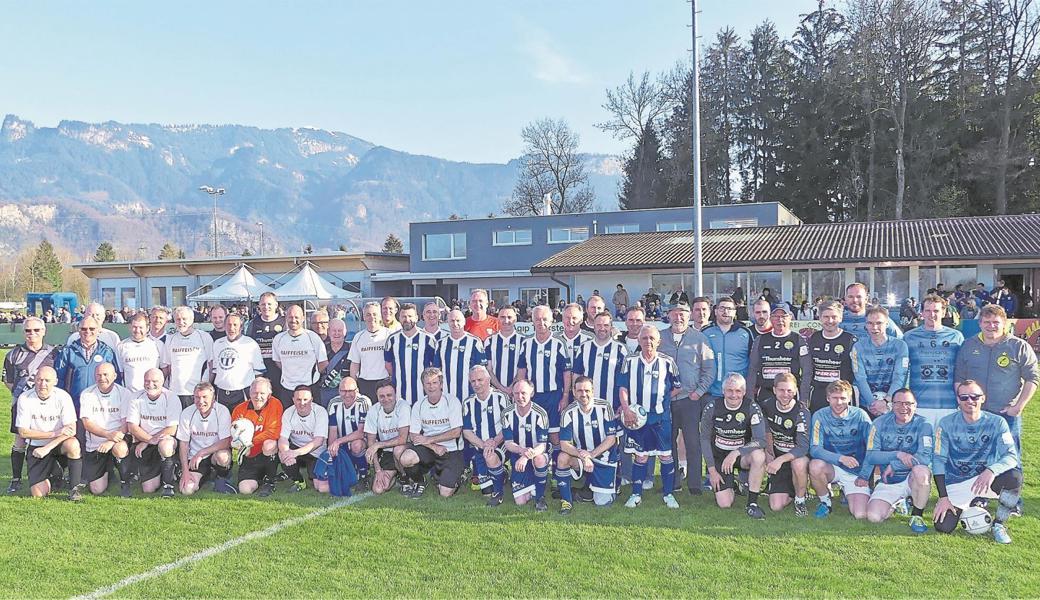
(805, 312)
(651, 296)
(1006, 299)
(653, 311)
(679, 296)
(971, 310)
(768, 296)
(982, 297)
(620, 300)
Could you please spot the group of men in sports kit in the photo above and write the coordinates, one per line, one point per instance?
(857, 406)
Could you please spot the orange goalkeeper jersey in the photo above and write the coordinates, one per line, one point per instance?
(268, 422)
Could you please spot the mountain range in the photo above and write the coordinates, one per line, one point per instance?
(137, 186)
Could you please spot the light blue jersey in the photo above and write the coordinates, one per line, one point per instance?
(933, 359)
(887, 438)
(833, 437)
(963, 450)
(883, 368)
(857, 326)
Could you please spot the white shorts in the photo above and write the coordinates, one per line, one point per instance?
(960, 494)
(934, 415)
(891, 492)
(847, 481)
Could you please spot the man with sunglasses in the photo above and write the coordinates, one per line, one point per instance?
(20, 368)
(76, 362)
(975, 459)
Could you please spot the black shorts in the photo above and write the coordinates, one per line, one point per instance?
(727, 478)
(205, 469)
(41, 468)
(187, 401)
(385, 458)
(367, 387)
(14, 415)
(253, 468)
(96, 465)
(149, 466)
(305, 461)
(447, 469)
(232, 398)
(782, 482)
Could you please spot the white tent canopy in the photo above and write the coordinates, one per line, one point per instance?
(241, 287)
(308, 285)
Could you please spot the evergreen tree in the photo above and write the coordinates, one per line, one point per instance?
(643, 184)
(45, 269)
(393, 244)
(105, 252)
(170, 252)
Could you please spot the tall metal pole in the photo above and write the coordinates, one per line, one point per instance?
(261, 224)
(214, 225)
(695, 134)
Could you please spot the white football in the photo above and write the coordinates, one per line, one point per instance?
(640, 418)
(242, 433)
(976, 520)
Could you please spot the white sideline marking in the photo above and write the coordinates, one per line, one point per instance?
(220, 548)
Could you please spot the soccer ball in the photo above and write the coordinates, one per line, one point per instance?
(976, 520)
(242, 434)
(640, 418)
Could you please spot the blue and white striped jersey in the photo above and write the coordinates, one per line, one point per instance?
(455, 357)
(503, 355)
(408, 356)
(603, 365)
(588, 430)
(484, 417)
(348, 420)
(526, 430)
(546, 362)
(574, 345)
(650, 384)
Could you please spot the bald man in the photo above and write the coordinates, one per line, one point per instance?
(97, 310)
(103, 410)
(46, 419)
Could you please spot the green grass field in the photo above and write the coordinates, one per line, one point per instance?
(434, 547)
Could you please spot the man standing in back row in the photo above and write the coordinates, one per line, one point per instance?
(933, 351)
(479, 323)
(21, 365)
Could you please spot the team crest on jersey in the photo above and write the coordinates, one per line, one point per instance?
(512, 346)
(839, 348)
(788, 345)
(1003, 360)
(739, 417)
(788, 423)
(227, 358)
(277, 327)
(527, 427)
(546, 353)
(412, 347)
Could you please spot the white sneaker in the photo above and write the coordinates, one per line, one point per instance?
(670, 501)
(633, 501)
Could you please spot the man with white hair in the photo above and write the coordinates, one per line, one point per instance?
(20, 367)
(479, 323)
(366, 356)
(76, 362)
(97, 310)
(186, 356)
(593, 306)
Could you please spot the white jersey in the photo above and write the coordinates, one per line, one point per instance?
(135, 358)
(201, 432)
(300, 430)
(299, 356)
(108, 336)
(108, 411)
(154, 415)
(434, 419)
(188, 357)
(50, 415)
(386, 425)
(236, 364)
(367, 351)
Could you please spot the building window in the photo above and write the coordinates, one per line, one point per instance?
(180, 295)
(108, 297)
(760, 280)
(568, 235)
(675, 226)
(810, 284)
(158, 296)
(532, 297)
(891, 286)
(623, 228)
(444, 246)
(499, 297)
(733, 223)
(948, 276)
(863, 276)
(513, 237)
(128, 298)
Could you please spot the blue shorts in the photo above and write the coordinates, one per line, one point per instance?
(481, 469)
(521, 481)
(604, 473)
(653, 439)
(550, 402)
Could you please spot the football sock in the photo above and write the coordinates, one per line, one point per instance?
(17, 460)
(498, 475)
(293, 471)
(541, 474)
(271, 469)
(799, 499)
(166, 473)
(75, 471)
(825, 499)
(917, 512)
(752, 498)
(360, 465)
(221, 472)
(123, 466)
(667, 477)
(563, 483)
(638, 475)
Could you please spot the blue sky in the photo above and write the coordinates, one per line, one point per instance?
(451, 79)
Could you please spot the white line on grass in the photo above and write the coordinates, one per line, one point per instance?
(219, 548)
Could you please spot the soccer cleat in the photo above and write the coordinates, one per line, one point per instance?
(917, 524)
(800, 509)
(417, 491)
(823, 511)
(633, 501)
(677, 486)
(706, 485)
(670, 501)
(167, 491)
(583, 494)
(407, 489)
(1017, 511)
(755, 512)
(16, 484)
(266, 489)
(901, 507)
(495, 500)
(474, 482)
(297, 486)
(541, 505)
(223, 486)
(565, 508)
(75, 495)
(281, 476)
(125, 491)
(1000, 533)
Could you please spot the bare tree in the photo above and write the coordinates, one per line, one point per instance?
(635, 106)
(550, 165)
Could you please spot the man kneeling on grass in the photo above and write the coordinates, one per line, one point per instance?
(152, 420)
(588, 442)
(204, 434)
(434, 441)
(305, 426)
(46, 418)
(837, 445)
(525, 431)
(259, 467)
(386, 430)
(103, 409)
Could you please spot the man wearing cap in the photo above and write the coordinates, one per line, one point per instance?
(779, 351)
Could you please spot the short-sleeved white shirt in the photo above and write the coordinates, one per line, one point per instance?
(51, 414)
(235, 364)
(200, 431)
(367, 350)
(299, 356)
(135, 358)
(108, 411)
(386, 426)
(188, 357)
(154, 415)
(434, 419)
(300, 430)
